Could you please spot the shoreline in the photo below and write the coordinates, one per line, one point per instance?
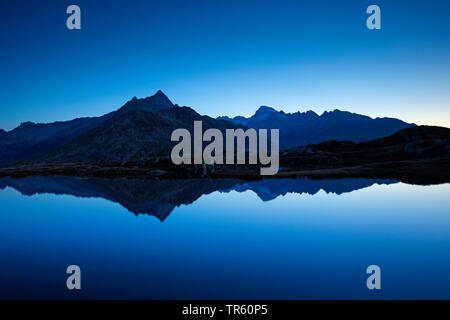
(423, 171)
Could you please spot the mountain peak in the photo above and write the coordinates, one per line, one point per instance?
(160, 95)
(335, 111)
(265, 110)
(26, 124)
(311, 113)
(159, 98)
(157, 102)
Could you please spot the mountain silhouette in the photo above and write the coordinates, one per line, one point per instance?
(139, 130)
(31, 139)
(159, 101)
(302, 128)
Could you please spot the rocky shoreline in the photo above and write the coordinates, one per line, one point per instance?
(422, 171)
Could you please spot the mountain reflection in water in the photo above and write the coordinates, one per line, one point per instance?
(159, 197)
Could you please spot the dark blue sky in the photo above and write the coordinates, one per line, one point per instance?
(225, 57)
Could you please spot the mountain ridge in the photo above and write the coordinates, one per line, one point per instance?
(30, 140)
(141, 129)
(302, 128)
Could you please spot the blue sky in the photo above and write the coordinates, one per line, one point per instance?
(225, 57)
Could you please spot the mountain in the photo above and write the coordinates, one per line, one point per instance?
(302, 128)
(31, 139)
(139, 129)
(137, 132)
(235, 120)
(159, 101)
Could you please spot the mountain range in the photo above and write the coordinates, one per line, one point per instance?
(302, 128)
(140, 130)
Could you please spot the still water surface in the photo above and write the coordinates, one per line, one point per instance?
(223, 239)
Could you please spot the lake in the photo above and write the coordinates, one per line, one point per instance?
(223, 239)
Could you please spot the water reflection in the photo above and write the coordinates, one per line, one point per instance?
(160, 197)
(228, 244)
